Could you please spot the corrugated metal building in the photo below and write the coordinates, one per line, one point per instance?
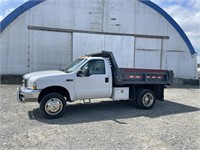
(49, 34)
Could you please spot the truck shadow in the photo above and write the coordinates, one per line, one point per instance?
(112, 110)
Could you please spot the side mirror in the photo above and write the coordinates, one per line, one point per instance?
(79, 73)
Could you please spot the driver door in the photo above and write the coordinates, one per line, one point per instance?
(92, 80)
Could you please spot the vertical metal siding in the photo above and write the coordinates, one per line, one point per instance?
(14, 48)
(25, 50)
(148, 53)
(45, 54)
(121, 46)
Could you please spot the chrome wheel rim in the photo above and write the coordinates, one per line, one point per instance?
(53, 106)
(148, 99)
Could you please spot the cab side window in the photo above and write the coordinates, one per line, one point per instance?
(94, 67)
(97, 67)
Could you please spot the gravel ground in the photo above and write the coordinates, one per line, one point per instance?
(173, 124)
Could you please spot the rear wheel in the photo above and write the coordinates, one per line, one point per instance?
(146, 99)
(53, 106)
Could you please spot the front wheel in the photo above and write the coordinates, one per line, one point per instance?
(146, 99)
(53, 106)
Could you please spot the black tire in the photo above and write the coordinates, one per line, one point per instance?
(134, 100)
(132, 96)
(146, 99)
(53, 106)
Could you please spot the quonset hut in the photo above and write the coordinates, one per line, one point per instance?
(50, 34)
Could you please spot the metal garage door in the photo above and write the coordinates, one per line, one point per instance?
(148, 53)
(121, 46)
(49, 50)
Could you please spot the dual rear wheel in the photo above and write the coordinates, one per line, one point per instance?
(145, 99)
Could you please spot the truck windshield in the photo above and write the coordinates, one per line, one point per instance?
(75, 65)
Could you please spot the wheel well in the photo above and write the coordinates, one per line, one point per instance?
(54, 89)
(157, 89)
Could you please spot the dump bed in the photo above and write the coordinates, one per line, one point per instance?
(126, 76)
(130, 76)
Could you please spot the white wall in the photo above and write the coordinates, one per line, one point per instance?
(24, 50)
(14, 47)
(49, 50)
(121, 46)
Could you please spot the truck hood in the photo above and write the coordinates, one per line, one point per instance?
(42, 74)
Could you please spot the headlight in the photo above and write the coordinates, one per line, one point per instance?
(32, 85)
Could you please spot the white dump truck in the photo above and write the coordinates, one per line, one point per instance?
(93, 76)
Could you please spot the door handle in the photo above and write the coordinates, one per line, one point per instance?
(68, 80)
(106, 79)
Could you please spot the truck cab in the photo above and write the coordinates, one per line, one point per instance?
(91, 77)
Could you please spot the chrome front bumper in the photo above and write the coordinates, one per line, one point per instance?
(27, 95)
